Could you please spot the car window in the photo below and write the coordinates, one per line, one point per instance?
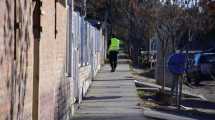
(210, 58)
(197, 59)
(203, 59)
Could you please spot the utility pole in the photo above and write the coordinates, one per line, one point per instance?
(111, 15)
(109, 20)
(130, 31)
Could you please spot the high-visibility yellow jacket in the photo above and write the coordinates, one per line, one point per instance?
(114, 46)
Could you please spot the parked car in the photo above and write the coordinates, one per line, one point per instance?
(203, 67)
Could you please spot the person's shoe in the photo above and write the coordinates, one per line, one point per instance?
(112, 70)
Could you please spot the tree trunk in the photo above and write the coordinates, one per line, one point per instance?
(163, 75)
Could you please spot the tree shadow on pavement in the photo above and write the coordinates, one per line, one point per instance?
(199, 104)
(130, 116)
(201, 110)
(115, 80)
(101, 97)
(199, 115)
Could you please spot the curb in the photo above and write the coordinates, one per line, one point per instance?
(163, 116)
(157, 87)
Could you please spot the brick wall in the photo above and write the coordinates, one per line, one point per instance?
(54, 102)
(17, 58)
(16, 67)
(16, 75)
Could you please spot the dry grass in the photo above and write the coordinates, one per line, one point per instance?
(146, 101)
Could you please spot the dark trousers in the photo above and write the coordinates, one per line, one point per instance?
(113, 56)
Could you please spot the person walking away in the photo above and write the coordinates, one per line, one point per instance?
(113, 52)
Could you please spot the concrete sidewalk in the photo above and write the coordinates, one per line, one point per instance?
(112, 96)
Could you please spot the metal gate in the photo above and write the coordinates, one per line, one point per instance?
(75, 56)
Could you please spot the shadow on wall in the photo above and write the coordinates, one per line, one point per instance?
(14, 57)
(63, 110)
(62, 2)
